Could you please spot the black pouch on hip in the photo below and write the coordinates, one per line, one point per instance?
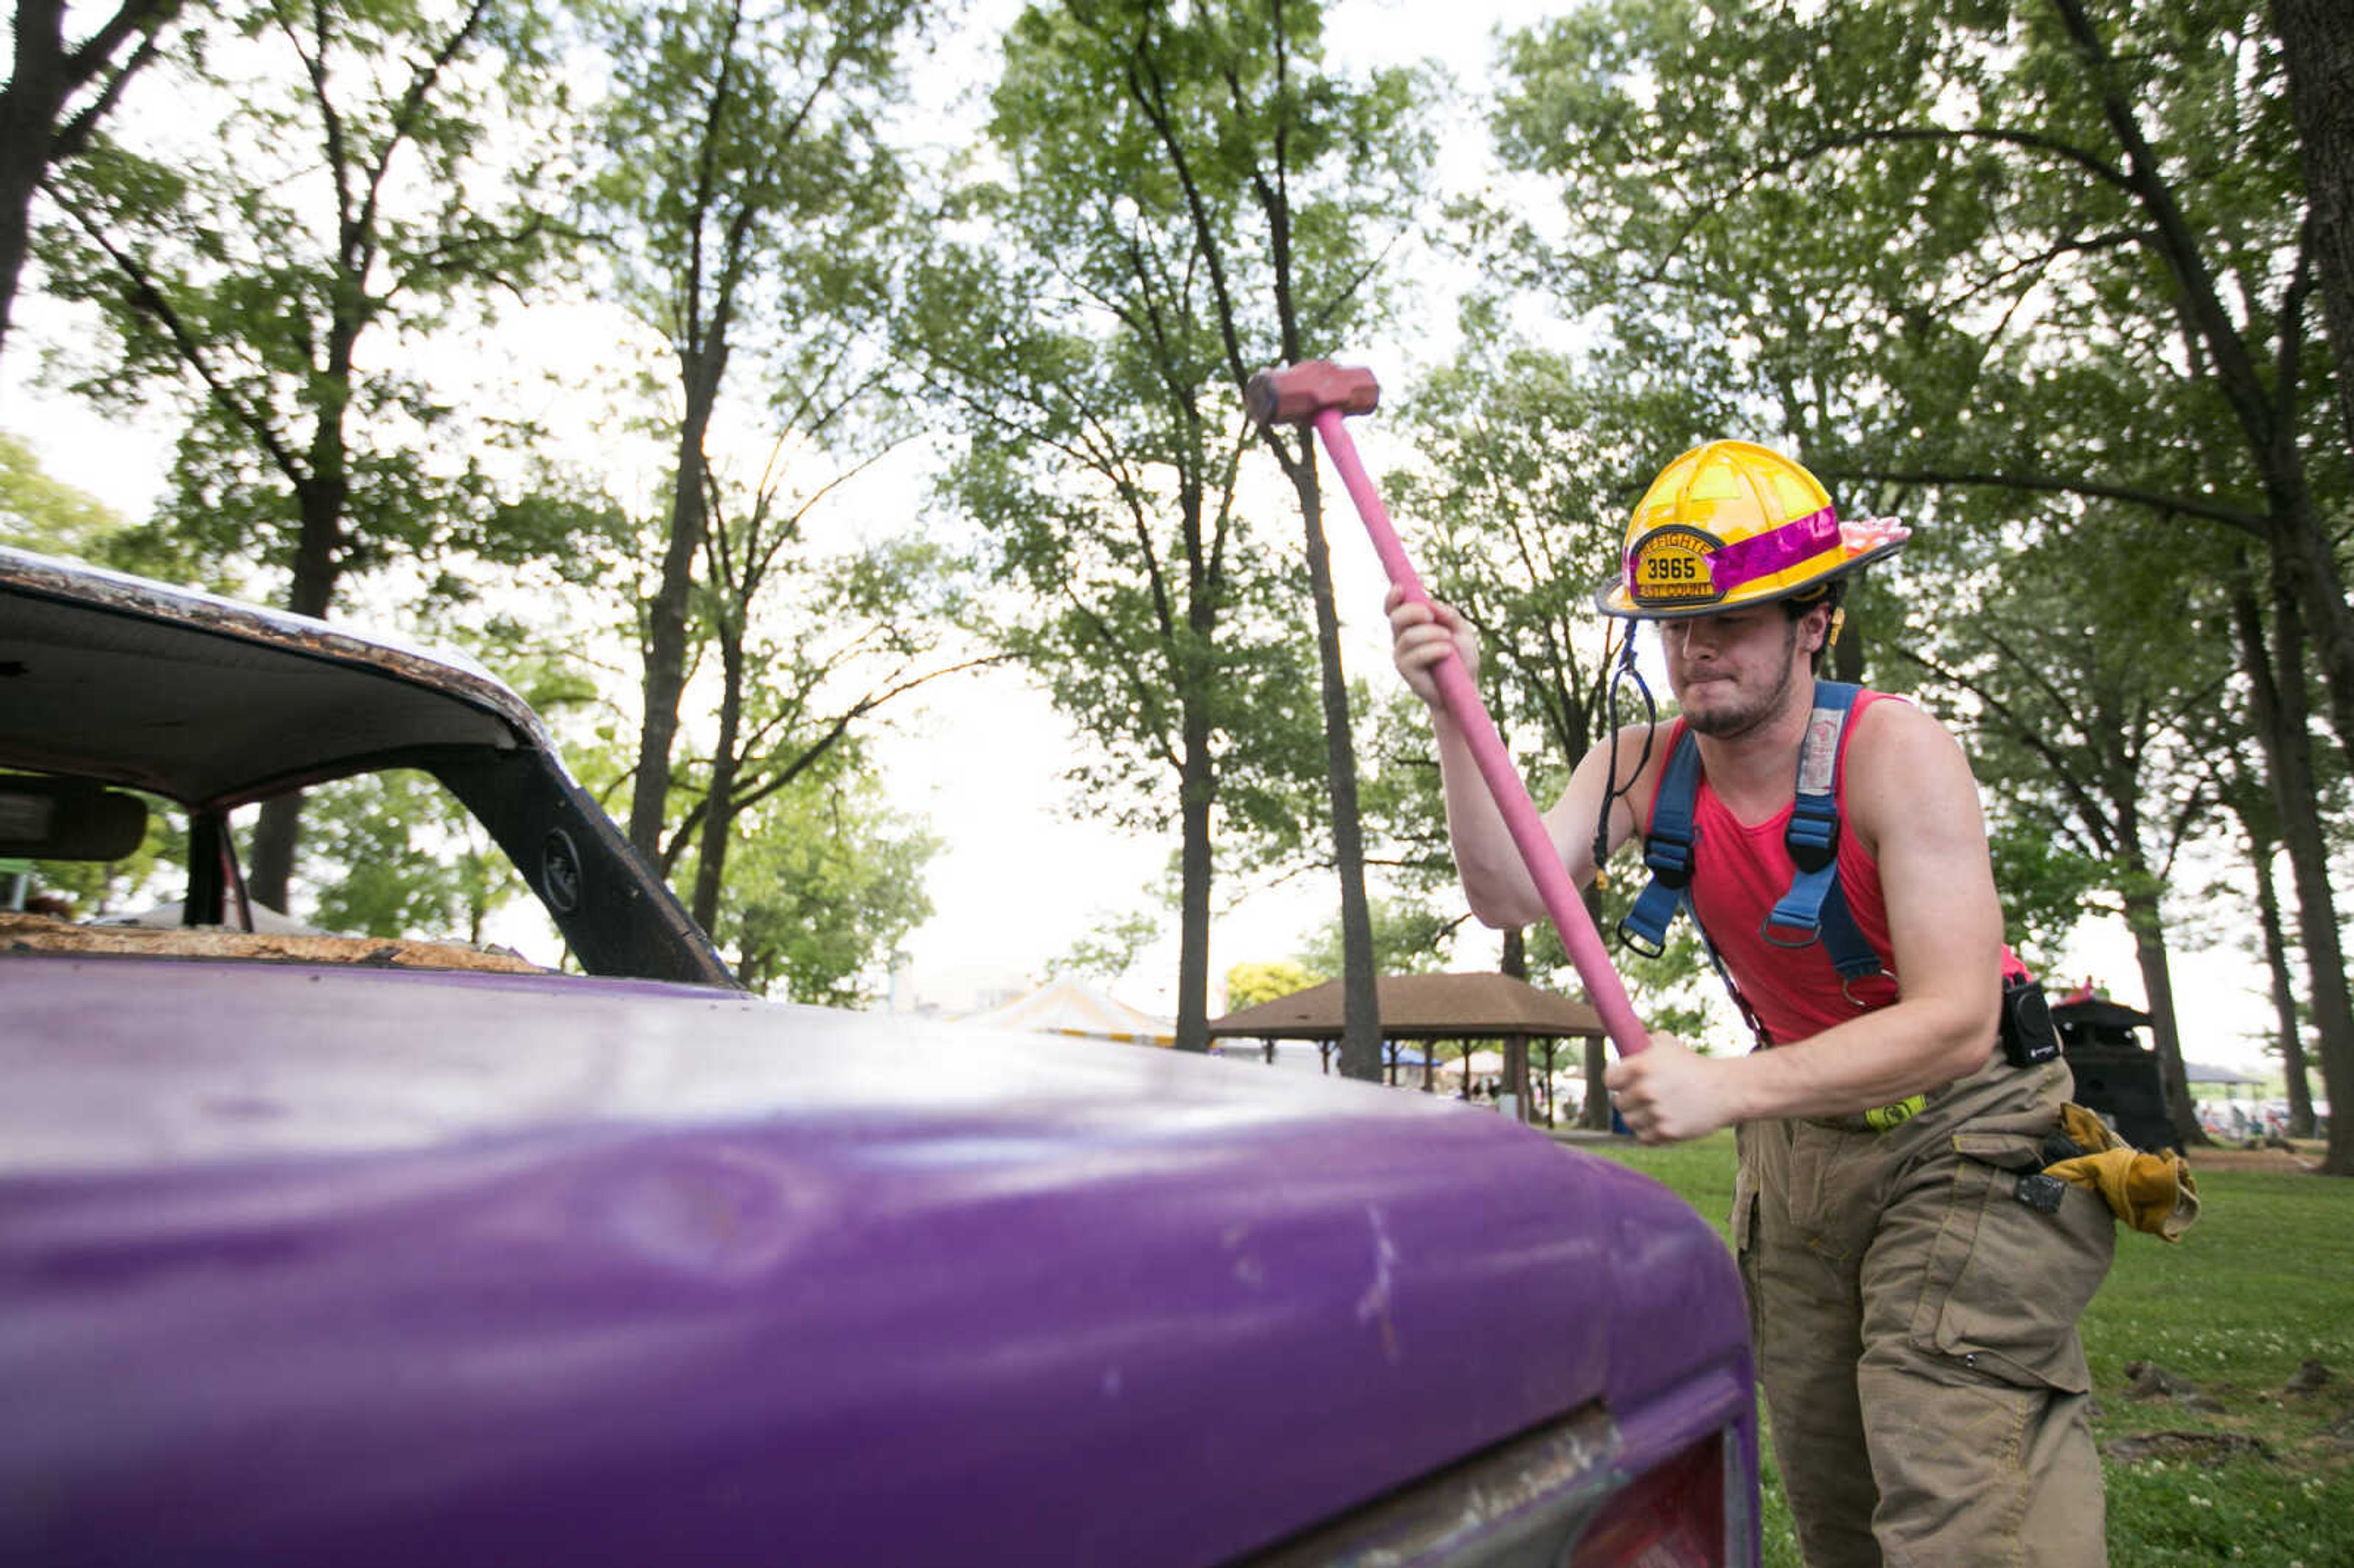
(2029, 1038)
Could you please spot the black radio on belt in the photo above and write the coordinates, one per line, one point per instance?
(2029, 1038)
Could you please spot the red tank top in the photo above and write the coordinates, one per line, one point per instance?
(1741, 871)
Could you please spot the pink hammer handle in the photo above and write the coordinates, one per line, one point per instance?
(1603, 986)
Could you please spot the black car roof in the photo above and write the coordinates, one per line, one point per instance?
(205, 700)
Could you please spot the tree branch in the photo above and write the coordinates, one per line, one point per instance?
(74, 135)
(2253, 523)
(146, 297)
(2030, 735)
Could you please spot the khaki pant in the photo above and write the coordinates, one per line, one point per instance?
(1915, 1327)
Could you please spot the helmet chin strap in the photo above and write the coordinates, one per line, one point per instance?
(1834, 595)
(1612, 789)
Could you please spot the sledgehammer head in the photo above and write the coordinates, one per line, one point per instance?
(1295, 393)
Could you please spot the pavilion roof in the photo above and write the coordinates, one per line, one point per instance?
(1482, 1006)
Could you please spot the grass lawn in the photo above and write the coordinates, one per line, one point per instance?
(2237, 1469)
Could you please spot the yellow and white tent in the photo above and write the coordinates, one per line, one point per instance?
(1067, 1007)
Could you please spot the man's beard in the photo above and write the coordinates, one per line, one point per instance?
(1730, 724)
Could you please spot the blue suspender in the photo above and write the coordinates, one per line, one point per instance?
(1668, 852)
(1814, 908)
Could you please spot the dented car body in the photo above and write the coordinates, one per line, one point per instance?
(394, 1261)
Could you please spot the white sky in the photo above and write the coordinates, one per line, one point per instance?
(1023, 876)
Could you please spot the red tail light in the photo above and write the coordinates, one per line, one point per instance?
(1670, 1517)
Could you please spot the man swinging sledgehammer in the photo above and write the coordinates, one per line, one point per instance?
(1914, 1275)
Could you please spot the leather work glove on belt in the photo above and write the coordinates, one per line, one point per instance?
(2152, 1193)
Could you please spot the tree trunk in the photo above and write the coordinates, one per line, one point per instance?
(666, 615)
(2277, 704)
(45, 75)
(2317, 47)
(2325, 965)
(2305, 567)
(2289, 1032)
(30, 106)
(270, 853)
(1360, 1019)
(1196, 864)
(1595, 1115)
(2157, 984)
(2308, 857)
(318, 568)
(718, 811)
(1516, 1046)
(1516, 1073)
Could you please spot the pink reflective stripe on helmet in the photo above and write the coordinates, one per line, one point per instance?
(1777, 549)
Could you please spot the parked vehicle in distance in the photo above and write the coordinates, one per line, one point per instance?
(2115, 1073)
(323, 1250)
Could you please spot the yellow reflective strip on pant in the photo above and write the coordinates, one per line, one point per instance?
(1897, 1115)
(2152, 1192)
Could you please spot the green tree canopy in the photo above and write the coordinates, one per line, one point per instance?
(1258, 981)
(285, 269)
(824, 888)
(741, 195)
(1178, 196)
(38, 513)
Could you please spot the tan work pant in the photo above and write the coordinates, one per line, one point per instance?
(1915, 1325)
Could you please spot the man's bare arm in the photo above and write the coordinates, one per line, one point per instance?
(1496, 881)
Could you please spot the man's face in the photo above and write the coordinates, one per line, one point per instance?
(1733, 673)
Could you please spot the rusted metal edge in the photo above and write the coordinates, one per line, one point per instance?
(448, 670)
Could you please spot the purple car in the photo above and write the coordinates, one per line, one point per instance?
(321, 1250)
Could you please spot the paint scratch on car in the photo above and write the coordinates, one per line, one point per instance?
(1374, 1305)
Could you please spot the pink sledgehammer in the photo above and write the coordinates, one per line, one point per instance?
(1320, 393)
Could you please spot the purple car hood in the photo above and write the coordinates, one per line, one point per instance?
(302, 1265)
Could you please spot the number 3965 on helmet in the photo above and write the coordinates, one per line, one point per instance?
(1731, 524)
